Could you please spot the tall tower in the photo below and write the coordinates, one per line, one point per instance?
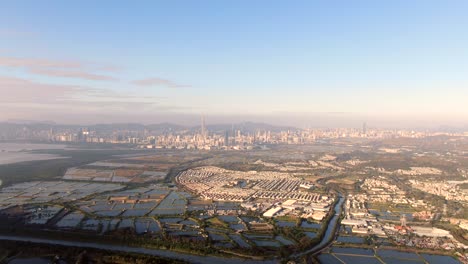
(364, 128)
(226, 138)
(203, 127)
(403, 220)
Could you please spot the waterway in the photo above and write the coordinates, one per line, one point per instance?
(21, 152)
(330, 233)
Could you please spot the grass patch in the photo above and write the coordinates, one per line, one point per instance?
(3, 254)
(287, 218)
(395, 208)
(217, 222)
(381, 207)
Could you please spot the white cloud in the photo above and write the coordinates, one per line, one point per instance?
(55, 68)
(159, 82)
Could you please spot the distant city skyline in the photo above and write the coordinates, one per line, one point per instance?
(311, 121)
(241, 136)
(304, 64)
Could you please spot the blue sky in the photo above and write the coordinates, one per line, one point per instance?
(151, 61)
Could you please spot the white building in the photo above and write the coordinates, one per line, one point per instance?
(272, 211)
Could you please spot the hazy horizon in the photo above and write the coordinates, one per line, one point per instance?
(313, 120)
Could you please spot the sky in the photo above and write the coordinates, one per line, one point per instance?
(304, 63)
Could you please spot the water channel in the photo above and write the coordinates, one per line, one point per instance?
(330, 233)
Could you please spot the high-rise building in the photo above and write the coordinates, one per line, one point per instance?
(364, 128)
(203, 127)
(226, 138)
(403, 220)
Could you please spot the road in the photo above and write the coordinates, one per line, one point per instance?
(153, 252)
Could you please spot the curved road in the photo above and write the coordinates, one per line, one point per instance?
(153, 252)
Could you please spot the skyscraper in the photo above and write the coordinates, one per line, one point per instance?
(226, 138)
(203, 127)
(364, 128)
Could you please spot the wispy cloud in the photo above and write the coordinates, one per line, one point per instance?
(159, 82)
(23, 98)
(38, 63)
(72, 74)
(19, 90)
(55, 68)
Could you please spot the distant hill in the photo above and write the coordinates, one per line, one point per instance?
(117, 126)
(248, 127)
(245, 127)
(29, 122)
(166, 127)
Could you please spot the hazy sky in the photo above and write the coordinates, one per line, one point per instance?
(153, 61)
